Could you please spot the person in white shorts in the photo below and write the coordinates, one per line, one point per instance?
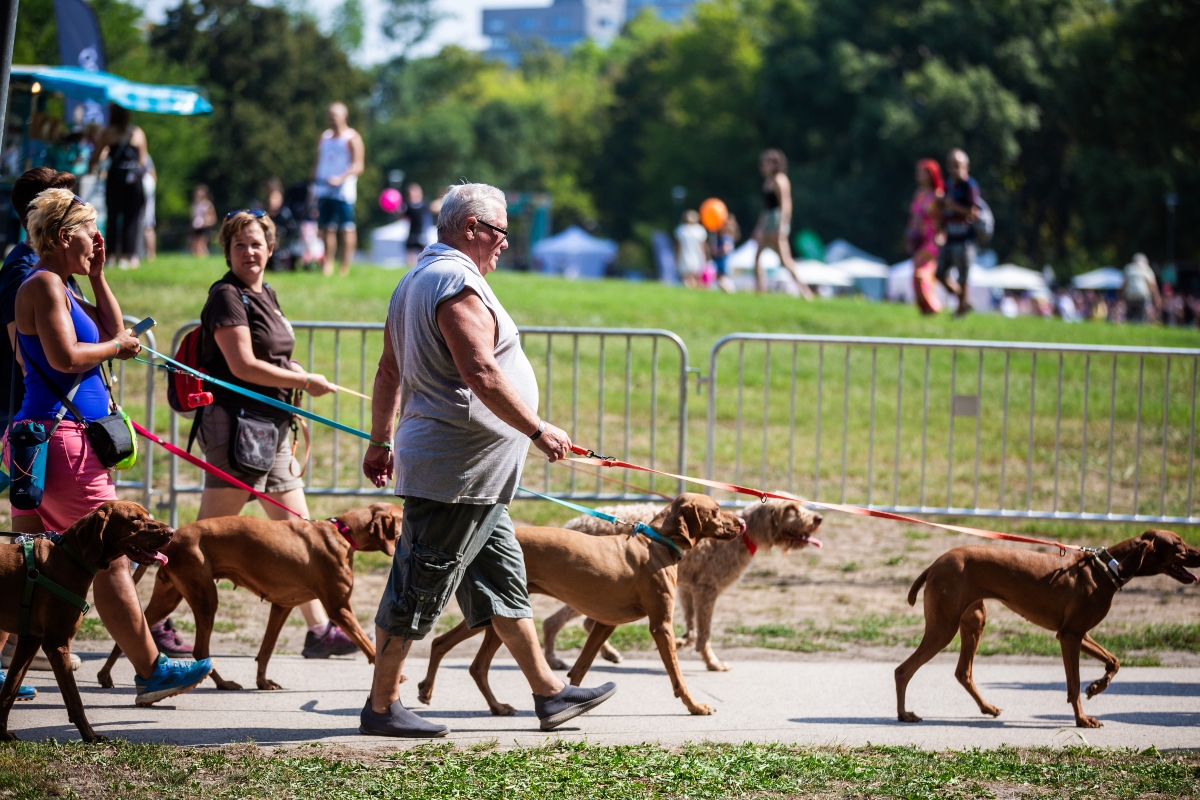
(340, 158)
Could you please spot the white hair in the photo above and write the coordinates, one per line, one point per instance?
(468, 200)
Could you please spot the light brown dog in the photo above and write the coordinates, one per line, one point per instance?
(705, 571)
(118, 528)
(612, 579)
(286, 563)
(1069, 596)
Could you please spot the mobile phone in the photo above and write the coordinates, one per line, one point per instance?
(144, 326)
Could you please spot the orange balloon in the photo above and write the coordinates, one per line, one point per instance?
(713, 214)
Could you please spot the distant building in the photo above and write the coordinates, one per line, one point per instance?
(566, 23)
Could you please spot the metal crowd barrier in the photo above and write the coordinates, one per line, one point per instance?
(971, 428)
(640, 412)
(145, 449)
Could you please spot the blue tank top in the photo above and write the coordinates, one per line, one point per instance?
(40, 402)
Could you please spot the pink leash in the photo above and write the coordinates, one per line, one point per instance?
(210, 469)
(592, 459)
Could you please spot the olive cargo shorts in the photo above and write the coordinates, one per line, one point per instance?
(466, 550)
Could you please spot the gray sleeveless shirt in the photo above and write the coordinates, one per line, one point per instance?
(449, 447)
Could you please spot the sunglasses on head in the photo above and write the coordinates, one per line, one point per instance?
(75, 200)
(254, 212)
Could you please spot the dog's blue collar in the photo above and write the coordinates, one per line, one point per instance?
(655, 536)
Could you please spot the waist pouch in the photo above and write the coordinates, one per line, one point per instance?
(113, 440)
(27, 457)
(253, 442)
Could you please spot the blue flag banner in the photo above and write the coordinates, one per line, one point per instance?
(80, 44)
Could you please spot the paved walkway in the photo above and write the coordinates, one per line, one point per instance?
(805, 702)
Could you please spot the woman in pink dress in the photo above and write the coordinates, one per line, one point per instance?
(924, 228)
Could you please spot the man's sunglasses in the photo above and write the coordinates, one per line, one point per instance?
(76, 200)
(254, 212)
(500, 231)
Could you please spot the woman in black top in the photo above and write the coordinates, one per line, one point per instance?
(775, 222)
(248, 341)
(123, 189)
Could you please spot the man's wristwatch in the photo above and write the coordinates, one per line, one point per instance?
(533, 437)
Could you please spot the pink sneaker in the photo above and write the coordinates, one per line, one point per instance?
(168, 641)
(334, 642)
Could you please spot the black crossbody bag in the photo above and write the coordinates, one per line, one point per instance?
(109, 436)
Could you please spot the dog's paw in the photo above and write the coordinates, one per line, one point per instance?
(95, 738)
(424, 693)
(556, 663)
(716, 665)
(1088, 722)
(701, 710)
(1096, 687)
(403, 678)
(8, 736)
(908, 716)
(268, 685)
(685, 641)
(502, 710)
(612, 656)
(990, 710)
(105, 680)
(228, 686)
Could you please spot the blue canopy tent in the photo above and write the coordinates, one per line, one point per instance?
(35, 133)
(103, 87)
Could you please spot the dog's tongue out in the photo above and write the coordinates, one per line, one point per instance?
(159, 558)
(815, 542)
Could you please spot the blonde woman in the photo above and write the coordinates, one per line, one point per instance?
(68, 340)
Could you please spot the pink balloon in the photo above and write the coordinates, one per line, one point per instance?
(389, 200)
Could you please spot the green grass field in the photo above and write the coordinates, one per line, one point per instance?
(582, 771)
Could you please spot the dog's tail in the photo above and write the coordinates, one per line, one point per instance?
(916, 587)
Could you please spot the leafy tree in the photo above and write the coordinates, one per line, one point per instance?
(409, 22)
(270, 76)
(349, 24)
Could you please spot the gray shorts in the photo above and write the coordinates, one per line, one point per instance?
(469, 551)
(213, 438)
(960, 254)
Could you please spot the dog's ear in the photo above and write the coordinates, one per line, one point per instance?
(90, 534)
(684, 521)
(1135, 560)
(383, 529)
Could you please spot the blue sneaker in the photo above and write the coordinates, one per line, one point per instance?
(24, 693)
(171, 677)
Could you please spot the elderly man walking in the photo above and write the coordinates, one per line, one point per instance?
(467, 398)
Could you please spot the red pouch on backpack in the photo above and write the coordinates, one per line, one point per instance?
(185, 393)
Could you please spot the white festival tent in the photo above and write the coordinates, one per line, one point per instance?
(388, 243)
(574, 253)
(741, 268)
(980, 284)
(1103, 279)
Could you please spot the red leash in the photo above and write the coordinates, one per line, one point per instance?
(592, 459)
(210, 469)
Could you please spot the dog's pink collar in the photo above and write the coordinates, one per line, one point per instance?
(344, 530)
(750, 545)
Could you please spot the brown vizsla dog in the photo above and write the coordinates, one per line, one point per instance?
(285, 563)
(117, 528)
(705, 571)
(1069, 596)
(611, 579)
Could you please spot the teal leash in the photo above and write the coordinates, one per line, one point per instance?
(638, 527)
(174, 366)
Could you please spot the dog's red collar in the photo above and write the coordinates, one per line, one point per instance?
(750, 545)
(344, 530)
